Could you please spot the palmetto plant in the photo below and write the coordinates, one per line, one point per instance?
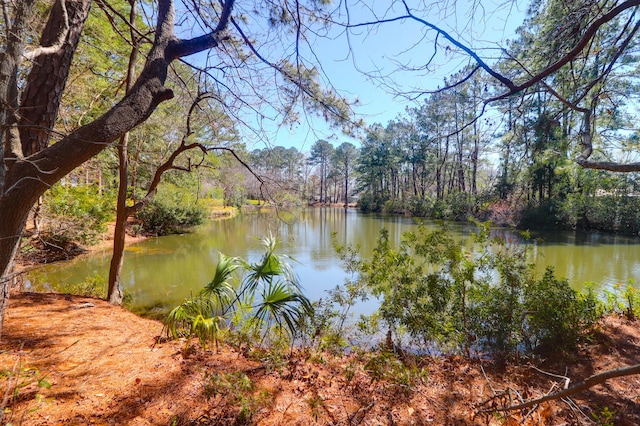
(267, 293)
(203, 315)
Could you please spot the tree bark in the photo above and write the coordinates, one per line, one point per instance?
(28, 178)
(48, 77)
(14, 208)
(9, 64)
(346, 185)
(114, 291)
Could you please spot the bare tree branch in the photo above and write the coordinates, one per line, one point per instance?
(331, 109)
(573, 53)
(57, 45)
(498, 76)
(458, 83)
(181, 48)
(579, 387)
(106, 6)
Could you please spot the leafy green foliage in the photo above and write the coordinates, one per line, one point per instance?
(371, 203)
(556, 314)
(198, 316)
(332, 319)
(609, 213)
(623, 300)
(604, 417)
(385, 366)
(94, 286)
(203, 315)
(267, 297)
(413, 297)
(171, 211)
(450, 298)
(18, 382)
(77, 213)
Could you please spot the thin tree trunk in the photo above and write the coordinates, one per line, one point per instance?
(321, 182)
(114, 293)
(346, 186)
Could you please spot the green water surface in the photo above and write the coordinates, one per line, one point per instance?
(160, 272)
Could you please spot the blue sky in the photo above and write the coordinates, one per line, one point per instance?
(351, 64)
(380, 50)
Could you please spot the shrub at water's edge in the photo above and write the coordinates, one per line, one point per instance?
(439, 294)
(76, 213)
(436, 296)
(171, 211)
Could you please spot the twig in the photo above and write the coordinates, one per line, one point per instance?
(13, 376)
(565, 378)
(488, 381)
(574, 407)
(60, 351)
(364, 410)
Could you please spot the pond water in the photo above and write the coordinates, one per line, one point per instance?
(160, 273)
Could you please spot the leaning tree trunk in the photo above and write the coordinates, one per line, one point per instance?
(11, 218)
(37, 111)
(29, 177)
(15, 212)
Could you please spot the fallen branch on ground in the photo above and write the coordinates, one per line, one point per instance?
(579, 387)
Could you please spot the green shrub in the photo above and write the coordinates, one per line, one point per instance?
(440, 210)
(394, 206)
(369, 203)
(420, 207)
(238, 390)
(385, 366)
(417, 283)
(171, 211)
(462, 206)
(263, 306)
(77, 213)
(623, 300)
(556, 315)
(453, 299)
(285, 199)
(608, 213)
(545, 215)
(235, 198)
(94, 286)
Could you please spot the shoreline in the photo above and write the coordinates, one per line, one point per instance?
(105, 243)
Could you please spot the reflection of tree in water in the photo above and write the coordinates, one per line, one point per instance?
(168, 268)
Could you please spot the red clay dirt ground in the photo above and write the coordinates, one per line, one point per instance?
(106, 367)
